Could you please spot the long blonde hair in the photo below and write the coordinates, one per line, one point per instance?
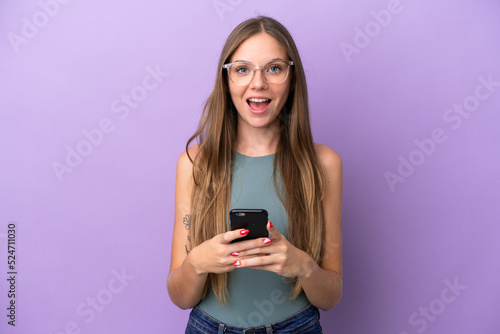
(302, 181)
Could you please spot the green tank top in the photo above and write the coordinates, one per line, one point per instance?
(256, 297)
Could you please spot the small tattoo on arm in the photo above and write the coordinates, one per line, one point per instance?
(187, 221)
(189, 240)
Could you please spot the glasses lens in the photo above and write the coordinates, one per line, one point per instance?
(276, 71)
(240, 73)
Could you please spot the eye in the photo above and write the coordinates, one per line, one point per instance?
(274, 69)
(242, 70)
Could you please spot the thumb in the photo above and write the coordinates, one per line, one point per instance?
(273, 231)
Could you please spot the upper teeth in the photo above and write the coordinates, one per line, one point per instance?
(257, 100)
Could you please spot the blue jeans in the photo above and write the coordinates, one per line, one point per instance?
(304, 322)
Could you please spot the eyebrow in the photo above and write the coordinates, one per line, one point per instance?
(246, 61)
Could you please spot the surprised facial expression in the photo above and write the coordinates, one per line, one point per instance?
(260, 102)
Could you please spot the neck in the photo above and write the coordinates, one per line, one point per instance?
(257, 142)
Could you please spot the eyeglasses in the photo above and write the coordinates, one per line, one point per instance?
(274, 71)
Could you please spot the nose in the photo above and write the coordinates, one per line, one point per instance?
(258, 80)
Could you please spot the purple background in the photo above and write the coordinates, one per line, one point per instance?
(113, 212)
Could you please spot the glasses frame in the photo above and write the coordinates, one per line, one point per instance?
(261, 68)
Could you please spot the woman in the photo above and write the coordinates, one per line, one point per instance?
(255, 150)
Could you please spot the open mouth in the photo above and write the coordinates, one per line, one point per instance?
(258, 104)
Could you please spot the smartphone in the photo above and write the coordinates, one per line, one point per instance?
(254, 220)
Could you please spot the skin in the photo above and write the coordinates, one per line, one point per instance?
(257, 135)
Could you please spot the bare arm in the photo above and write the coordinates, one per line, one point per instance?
(185, 285)
(323, 283)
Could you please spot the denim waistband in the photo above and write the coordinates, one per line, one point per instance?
(300, 321)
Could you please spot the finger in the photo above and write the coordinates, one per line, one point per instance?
(256, 262)
(258, 248)
(245, 257)
(253, 246)
(273, 232)
(233, 235)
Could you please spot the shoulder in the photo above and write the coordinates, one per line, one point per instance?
(185, 162)
(328, 158)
